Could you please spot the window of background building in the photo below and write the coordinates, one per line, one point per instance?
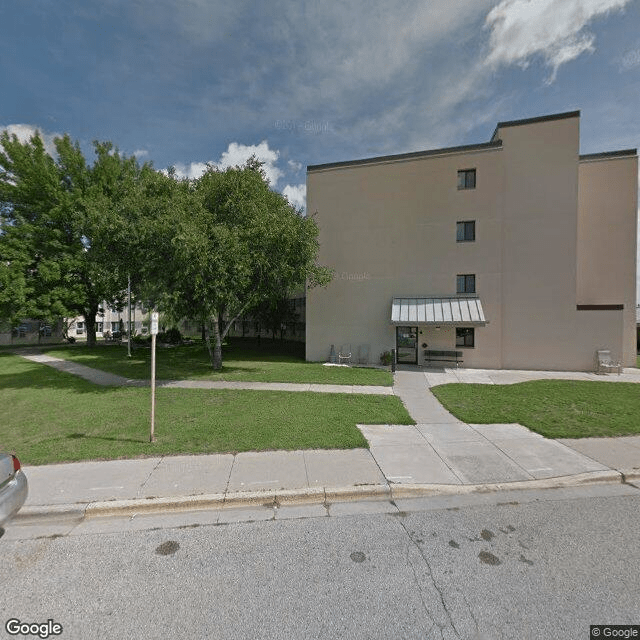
(99, 326)
(79, 328)
(467, 179)
(465, 337)
(466, 231)
(466, 283)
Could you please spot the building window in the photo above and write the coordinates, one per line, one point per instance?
(99, 327)
(466, 283)
(466, 231)
(21, 331)
(115, 327)
(465, 337)
(79, 328)
(467, 179)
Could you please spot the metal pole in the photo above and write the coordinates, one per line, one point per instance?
(129, 323)
(153, 386)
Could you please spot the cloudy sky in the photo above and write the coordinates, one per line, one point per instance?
(297, 82)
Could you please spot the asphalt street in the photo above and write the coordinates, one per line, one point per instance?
(517, 564)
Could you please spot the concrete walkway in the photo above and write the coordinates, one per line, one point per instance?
(512, 376)
(440, 454)
(441, 449)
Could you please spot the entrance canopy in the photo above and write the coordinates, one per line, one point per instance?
(440, 311)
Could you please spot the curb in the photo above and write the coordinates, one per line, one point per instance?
(424, 490)
(315, 495)
(630, 475)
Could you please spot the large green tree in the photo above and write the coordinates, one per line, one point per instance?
(236, 244)
(57, 214)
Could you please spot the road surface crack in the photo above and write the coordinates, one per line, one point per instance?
(433, 581)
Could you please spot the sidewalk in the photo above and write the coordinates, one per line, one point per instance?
(439, 455)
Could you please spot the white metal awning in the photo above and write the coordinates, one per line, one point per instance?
(441, 311)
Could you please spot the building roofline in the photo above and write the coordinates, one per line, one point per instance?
(493, 144)
(517, 123)
(622, 153)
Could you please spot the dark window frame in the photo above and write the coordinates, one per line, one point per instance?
(466, 179)
(465, 226)
(465, 337)
(469, 283)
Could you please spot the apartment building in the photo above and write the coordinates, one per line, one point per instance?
(518, 253)
(111, 320)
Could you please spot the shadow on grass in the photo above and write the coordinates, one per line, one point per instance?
(48, 379)
(84, 436)
(189, 362)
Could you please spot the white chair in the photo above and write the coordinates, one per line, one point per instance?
(605, 363)
(344, 355)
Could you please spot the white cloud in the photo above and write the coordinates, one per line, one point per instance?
(553, 29)
(236, 155)
(24, 132)
(294, 166)
(630, 60)
(192, 171)
(296, 195)
(140, 153)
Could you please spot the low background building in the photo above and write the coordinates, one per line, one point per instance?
(31, 332)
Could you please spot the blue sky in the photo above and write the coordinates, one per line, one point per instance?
(186, 82)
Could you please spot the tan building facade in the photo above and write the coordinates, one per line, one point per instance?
(518, 253)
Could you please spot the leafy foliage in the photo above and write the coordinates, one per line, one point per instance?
(207, 249)
(236, 244)
(57, 228)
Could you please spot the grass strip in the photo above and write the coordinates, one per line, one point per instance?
(49, 416)
(553, 408)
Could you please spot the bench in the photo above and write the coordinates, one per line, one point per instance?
(443, 356)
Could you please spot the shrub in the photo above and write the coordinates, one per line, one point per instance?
(173, 336)
(385, 357)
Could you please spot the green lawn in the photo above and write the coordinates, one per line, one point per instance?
(553, 408)
(48, 416)
(243, 360)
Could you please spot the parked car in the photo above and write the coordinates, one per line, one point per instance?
(13, 486)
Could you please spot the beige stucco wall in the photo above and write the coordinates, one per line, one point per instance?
(539, 244)
(388, 229)
(607, 232)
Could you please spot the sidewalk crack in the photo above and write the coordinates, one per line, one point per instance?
(226, 489)
(142, 486)
(306, 471)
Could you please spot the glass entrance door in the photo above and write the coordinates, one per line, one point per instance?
(407, 345)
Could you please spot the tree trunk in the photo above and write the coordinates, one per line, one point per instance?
(90, 323)
(217, 348)
(207, 340)
(221, 321)
(203, 332)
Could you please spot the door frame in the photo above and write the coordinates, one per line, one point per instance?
(415, 329)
